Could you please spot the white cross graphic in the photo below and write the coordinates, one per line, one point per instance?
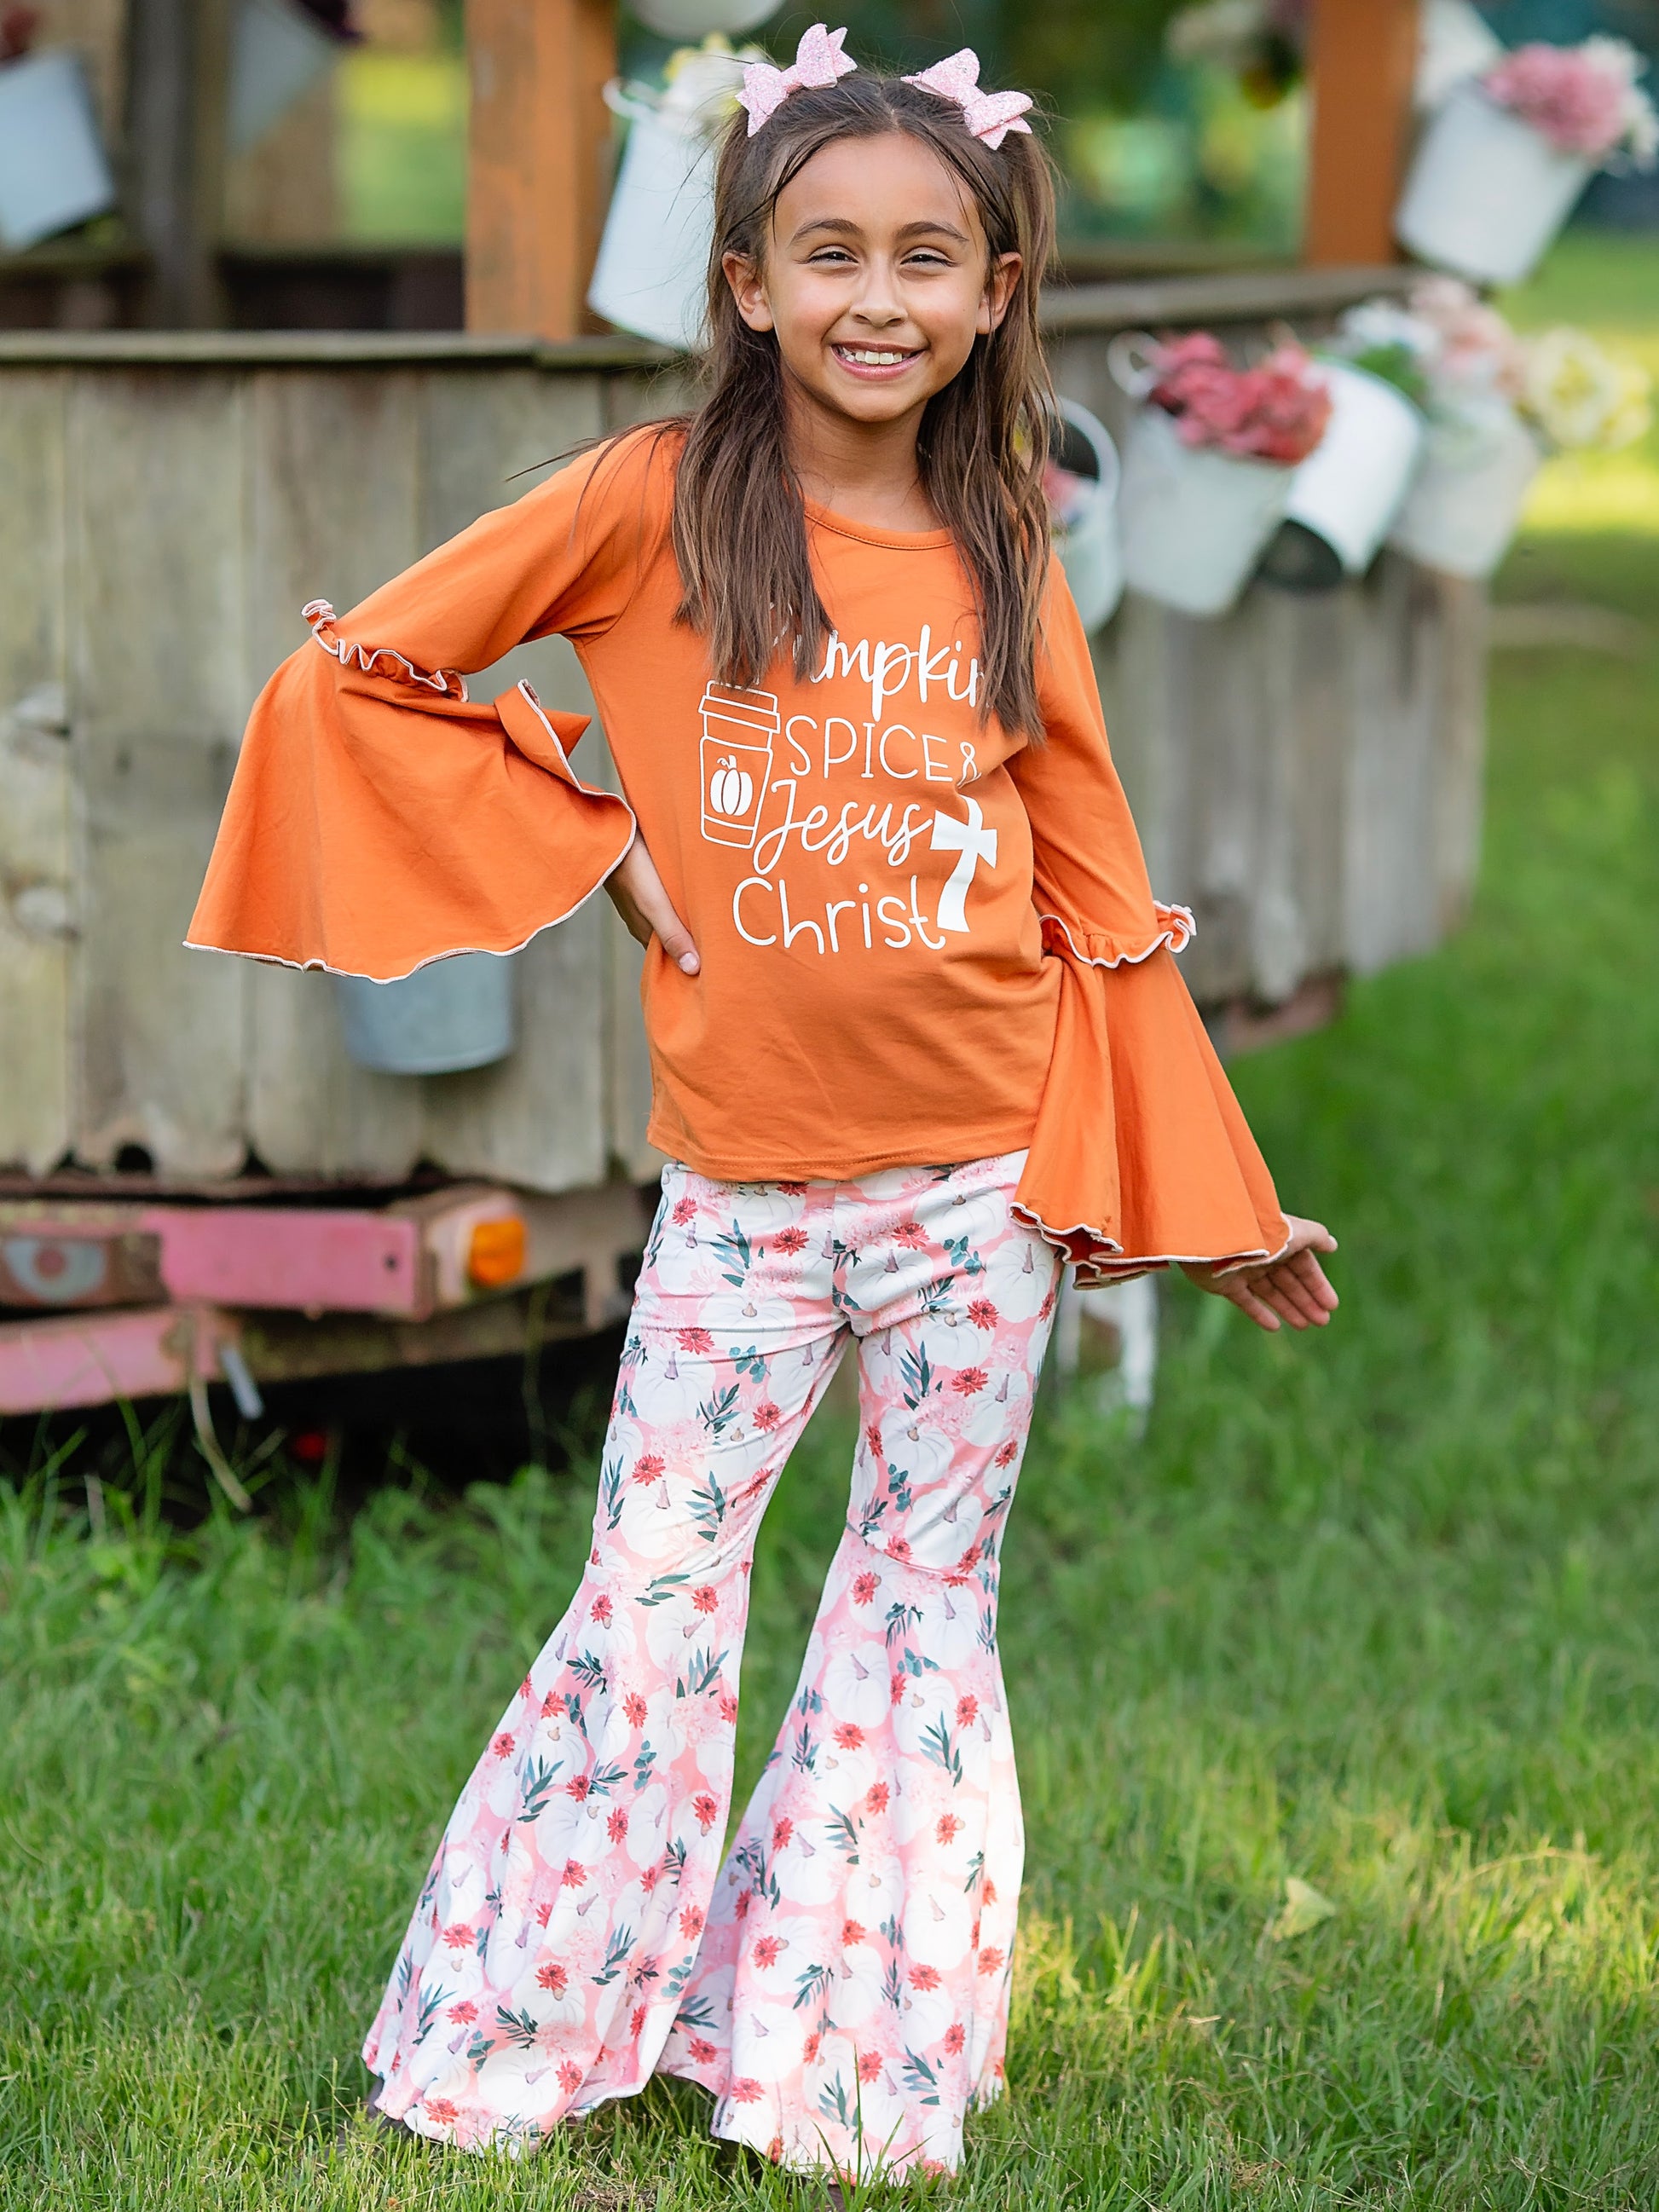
(975, 843)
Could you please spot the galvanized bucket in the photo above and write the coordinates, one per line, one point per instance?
(1487, 193)
(456, 1014)
(53, 170)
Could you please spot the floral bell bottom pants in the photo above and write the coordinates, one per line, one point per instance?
(839, 1979)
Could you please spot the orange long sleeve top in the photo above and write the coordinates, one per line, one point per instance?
(921, 939)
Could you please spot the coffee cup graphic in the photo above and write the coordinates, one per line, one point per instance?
(739, 727)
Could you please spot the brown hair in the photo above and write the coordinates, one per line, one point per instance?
(739, 523)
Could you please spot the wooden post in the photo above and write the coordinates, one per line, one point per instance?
(1362, 60)
(538, 174)
(178, 60)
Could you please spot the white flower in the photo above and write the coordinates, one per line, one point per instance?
(1581, 397)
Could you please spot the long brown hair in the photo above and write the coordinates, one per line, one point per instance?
(739, 524)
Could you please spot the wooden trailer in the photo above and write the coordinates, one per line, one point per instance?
(180, 1133)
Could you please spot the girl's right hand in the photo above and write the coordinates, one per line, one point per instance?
(637, 894)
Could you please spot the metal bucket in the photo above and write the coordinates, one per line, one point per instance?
(1350, 488)
(1195, 522)
(456, 1014)
(1487, 193)
(53, 170)
(1091, 549)
(1465, 506)
(653, 267)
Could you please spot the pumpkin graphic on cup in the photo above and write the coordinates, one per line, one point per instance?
(739, 727)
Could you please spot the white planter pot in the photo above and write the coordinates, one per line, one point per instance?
(53, 170)
(1195, 521)
(455, 1014)
(1091, 549)
(277, 51)
(1350, 487)
(1487, 193)
(685, 21)
(652, 274)
(1462, 511)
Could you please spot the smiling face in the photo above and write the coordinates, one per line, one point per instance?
(876, 280)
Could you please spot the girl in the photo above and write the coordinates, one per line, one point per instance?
(917, 1037)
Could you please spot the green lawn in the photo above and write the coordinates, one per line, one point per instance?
(1374, 1613)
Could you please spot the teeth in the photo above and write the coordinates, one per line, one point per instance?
(870, 357)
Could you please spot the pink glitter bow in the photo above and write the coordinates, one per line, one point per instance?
(818, 62)
(989, 115)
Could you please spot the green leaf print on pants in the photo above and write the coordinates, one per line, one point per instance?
(839, 1980)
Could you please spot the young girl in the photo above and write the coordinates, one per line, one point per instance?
(917, 1037)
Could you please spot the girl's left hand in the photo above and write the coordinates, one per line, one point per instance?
(1290, 1287)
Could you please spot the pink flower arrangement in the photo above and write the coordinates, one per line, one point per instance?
(1583, 99)
(1276, 412)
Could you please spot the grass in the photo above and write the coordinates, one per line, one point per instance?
(1373, 1615)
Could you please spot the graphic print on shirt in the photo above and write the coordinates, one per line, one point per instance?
(743, 736)
(737, 729)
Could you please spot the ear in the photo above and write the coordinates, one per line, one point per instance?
(999, 292)
(748, 289)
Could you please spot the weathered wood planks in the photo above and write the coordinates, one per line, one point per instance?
(1306, 774)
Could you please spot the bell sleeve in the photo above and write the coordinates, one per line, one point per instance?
(1140, 1155)
(380, 818)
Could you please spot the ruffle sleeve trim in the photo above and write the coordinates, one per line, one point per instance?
(367, 659)
(1141, 1158)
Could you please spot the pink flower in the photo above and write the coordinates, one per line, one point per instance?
(703, 2052)
(809, 2049)
(460, 1935)
(875, 1797)
(987, 1893)
(464, 2011)
(782, 1830)
(789, 1240)
(544, 1914)
(691, 1922)
(553, 1977)
(441, 2112)
(967, 1711)
(954, 2037)
(872, 1438)
(895, 1688)
(685, 1209)
(706, 1598)
(707, 1811)
(982, 1313)
(947, 1827)
(502, 1746)
(1007, 1454)
(766, 1416)
(745, 2090)
(969, 1381)
(602, 1610)
(729, 1707)
(852, 1931)
(1274, 412)
(552, 1704)
(870, 2064)
(635, 2022)
(694, 1339)
(615, 1826)
(634, 1709)
(989, 1959)
(898, 1547)
(848, 1736)
(1583, 98)
(767, 1950)
(577, 1787)
(570, 2077)
(924, 1977)
(865, 1587)
(647, 1467)
(911, 1234)
(574, 1874)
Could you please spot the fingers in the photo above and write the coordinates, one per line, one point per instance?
(637, 891)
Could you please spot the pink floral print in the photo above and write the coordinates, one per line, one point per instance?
(839, 1979)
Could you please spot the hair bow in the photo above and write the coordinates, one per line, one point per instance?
(818, 62)
(989, 115)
